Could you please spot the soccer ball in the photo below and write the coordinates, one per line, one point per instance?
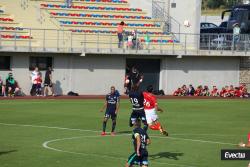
(242, 144)
(187, 23)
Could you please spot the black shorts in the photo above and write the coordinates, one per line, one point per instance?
(110, 114)
(120, 37)
(48, 85)
(139, 160)
(13, 87)
(138, 114)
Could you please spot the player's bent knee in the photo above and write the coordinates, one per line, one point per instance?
(144, 163)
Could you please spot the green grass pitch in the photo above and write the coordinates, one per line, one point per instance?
(65, 133)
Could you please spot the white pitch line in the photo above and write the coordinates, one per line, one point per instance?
(194, 140)
(207, 134)
(95, 131)
(45, 145)
(49, 127)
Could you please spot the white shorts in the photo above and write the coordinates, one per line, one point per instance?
(151, 115)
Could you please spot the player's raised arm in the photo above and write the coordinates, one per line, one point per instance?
(138, 143)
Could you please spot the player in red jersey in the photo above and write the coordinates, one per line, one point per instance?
(151, 107)
(246, 145)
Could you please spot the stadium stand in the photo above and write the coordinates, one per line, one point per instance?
(86, 22)
(11, 31)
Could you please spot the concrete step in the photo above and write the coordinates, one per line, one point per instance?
(111, 37)
(129, 13)
(129, 29)
(109, 20)
(112, 28)
(13, 32)
(10, 24)
(102, 4)
(114, 45)
(18, 42)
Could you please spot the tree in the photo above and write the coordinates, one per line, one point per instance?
(214, 4)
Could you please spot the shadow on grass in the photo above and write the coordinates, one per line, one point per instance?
(7, 152)
(169, 155)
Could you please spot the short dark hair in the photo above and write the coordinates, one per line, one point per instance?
(122, 23)
(150, 88)
(137, 122)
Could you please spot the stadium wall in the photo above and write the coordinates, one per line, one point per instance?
(219, 71)
(84, 75)
(94, 74)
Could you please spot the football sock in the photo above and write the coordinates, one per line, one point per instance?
(145, 127)
(113, 126)
(104, 126)
(130, 123)
(158, 125)
(248, 137)
(153, 127)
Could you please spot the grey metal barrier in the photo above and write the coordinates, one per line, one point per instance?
(98, 41)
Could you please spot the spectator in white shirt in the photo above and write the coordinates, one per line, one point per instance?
(34, 74)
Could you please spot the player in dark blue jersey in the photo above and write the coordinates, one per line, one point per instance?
(137, 101)
(140, 140)
(112, 106)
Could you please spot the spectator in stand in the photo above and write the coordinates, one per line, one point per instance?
(120, 34)
(177, 92)
(205, 91)
(223, 92)
(184, 90)
(135, 43)
(48, 82)
(214, 92)
(68, 3)
(147, 40)
(34, 74)
(2, 87)
(38, 84)
(198, 91)
(130, 41)
(191, 90)
(12, 85)
(236, 36)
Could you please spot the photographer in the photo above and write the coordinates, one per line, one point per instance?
(11, 85)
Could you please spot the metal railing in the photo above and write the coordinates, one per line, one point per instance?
(55, 40)
(168, 23)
